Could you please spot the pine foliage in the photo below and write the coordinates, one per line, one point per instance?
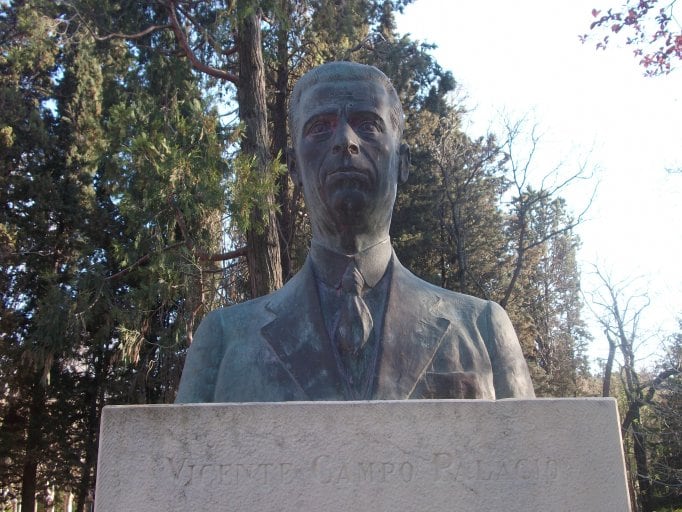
(133, 187)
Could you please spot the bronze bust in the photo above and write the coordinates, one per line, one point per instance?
(353, 323)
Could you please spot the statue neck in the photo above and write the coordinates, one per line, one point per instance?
(349, 243)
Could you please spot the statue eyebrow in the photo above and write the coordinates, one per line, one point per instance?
(322, 114)
(364, 111)
(366, 115)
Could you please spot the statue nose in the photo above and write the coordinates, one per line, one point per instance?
(349, 147)
(345, 142)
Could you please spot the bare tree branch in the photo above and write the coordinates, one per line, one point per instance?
(527, 200)
(114, 35)
(137, 35)
(140, 261)
(181, 38)
(230, 255)
(647, 398)
(207, 35)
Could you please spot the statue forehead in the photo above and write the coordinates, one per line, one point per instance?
(333, 93)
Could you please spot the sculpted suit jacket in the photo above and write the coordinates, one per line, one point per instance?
(435, 344)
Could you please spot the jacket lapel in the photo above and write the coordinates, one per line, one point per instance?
(413, 332)
(299, 338)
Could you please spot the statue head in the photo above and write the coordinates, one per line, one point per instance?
(346, 125)
(345, 71)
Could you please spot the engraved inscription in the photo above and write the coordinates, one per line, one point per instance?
(329, 470)
(446, 468)
(264, 473)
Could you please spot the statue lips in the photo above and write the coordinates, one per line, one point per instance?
(353, 176)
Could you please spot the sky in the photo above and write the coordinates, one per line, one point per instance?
(523, 60)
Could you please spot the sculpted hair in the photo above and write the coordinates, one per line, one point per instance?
(342, 71)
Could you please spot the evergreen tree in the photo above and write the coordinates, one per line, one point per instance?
(36, 255)
(222, 41)
(129, 196)
(548, 305)
(109, 254)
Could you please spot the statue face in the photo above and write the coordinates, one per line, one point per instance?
(347, 156)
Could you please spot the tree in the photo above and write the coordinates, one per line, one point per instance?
(461, 246)
(108, 261)
(221, 40)
(263, 248)
(664, 425)
(650, 26)
(620, 315)
(550, 298)
(36, 240)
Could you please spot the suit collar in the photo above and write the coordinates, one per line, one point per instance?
(372, 263)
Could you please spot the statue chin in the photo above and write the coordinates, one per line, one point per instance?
(349, 205)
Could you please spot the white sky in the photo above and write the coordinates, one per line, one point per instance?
(524, 58)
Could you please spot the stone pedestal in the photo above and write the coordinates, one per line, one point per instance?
(464, 455)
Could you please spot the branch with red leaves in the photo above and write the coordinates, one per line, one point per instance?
(650, 28)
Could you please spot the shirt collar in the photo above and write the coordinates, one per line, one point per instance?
(372, 263)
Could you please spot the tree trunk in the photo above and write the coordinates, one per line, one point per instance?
(520, 259)
(29, 475)
(641, 463)
(279, 146)
(28, 483)
(608, 369)
(95, 400)
(443, 243)
(263, 256)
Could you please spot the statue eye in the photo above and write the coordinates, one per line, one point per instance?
(369, 126)
(320, 127)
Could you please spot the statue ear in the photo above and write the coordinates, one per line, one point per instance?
(403, 162)
(291, 165)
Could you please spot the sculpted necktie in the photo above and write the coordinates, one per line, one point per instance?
(354, 322)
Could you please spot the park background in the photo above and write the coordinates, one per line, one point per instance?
(143, 184)
(526, 61)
